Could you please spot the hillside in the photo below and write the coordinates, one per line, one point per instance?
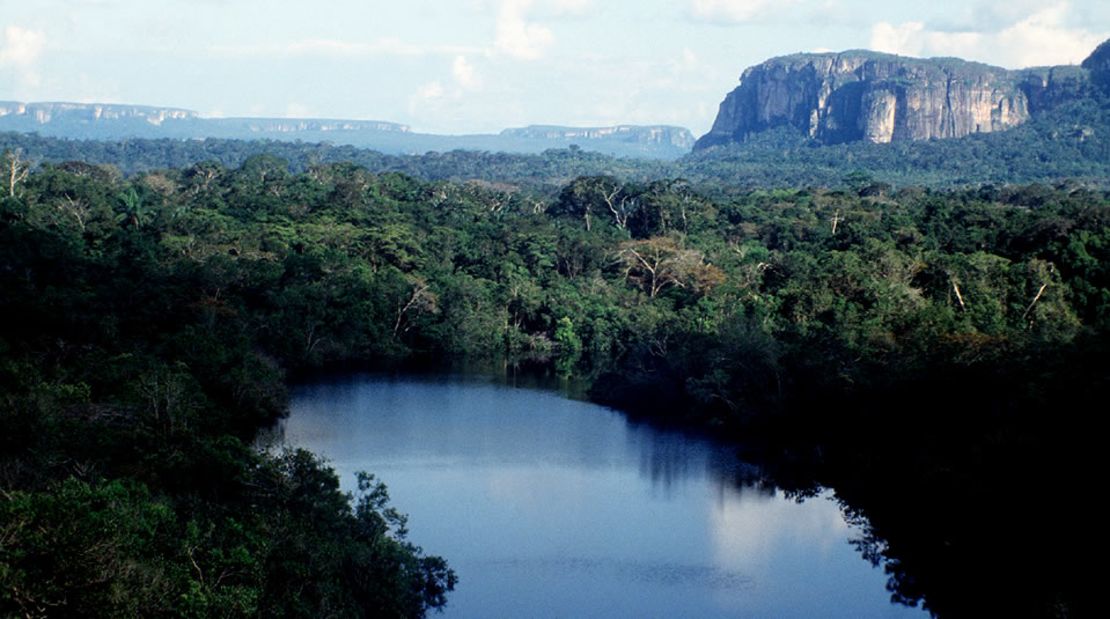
(853, 96)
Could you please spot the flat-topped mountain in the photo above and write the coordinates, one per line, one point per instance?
(862, 95)
(37, 114)
(114, 122)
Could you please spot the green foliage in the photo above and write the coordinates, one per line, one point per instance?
(150, 323)
(79, 547)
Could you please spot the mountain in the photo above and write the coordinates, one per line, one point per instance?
(851, 96)
(16, 116)
(116, 122)
(1098, 64)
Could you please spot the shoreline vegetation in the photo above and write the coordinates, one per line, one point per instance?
(935, 357)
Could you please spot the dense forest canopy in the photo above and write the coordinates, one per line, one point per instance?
(152, 319)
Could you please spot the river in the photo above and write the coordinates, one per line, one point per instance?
(551, 507)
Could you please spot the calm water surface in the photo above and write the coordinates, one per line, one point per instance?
(549, 507)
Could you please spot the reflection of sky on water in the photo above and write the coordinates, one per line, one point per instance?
(552, 507)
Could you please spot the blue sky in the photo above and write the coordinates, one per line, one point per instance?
(466, 66)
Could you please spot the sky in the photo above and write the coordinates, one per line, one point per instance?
(478, 66)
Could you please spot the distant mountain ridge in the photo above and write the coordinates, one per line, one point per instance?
(118, 121)
(859, 95)
(660, 134)
(47, 112)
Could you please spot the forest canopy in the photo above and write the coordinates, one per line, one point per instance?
(153, 319)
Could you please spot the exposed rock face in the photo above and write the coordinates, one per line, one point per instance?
(860, 95)
(92, 115)
(43, 113)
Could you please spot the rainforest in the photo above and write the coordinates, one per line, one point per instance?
(934, 356)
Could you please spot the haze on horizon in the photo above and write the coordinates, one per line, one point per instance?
(483, 65)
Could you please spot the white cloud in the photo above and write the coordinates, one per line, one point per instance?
(518, 37)
(21, 47)
(430, 91)
(336, 47)
(1043, 37)
(906, 38)
(438, 98)
(689, 60)
(20, 51)
(571, 7)
(545, 8)
(732, 11)
(518, 34)
(435, 101)
(464, 73)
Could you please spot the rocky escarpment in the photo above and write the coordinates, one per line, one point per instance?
(33, 114)
(860, 95)
(148, 121)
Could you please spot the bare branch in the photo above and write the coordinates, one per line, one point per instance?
(1035, 299)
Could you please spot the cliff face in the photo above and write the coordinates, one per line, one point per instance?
(860, 95)
(44, 113)
(94, 116)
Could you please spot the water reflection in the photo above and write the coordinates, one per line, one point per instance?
(547, 506)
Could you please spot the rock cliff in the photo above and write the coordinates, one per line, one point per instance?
(861, 95)
(45, 113)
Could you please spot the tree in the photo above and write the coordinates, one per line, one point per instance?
(420, 300)
(661, 262)
(603, 195)
(570, 345)
(16, 169)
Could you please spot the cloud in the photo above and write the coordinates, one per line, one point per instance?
(1043, 37)
(429, 91)
(439, 97)
(906, 38)
(21, 47)
(434, 100)
(571, 7)
(518, 34)
(464, 73)
(340, 48)
(732, 11)
(518, 37)
(20, 50)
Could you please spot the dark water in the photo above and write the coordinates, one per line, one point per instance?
(549, 507)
